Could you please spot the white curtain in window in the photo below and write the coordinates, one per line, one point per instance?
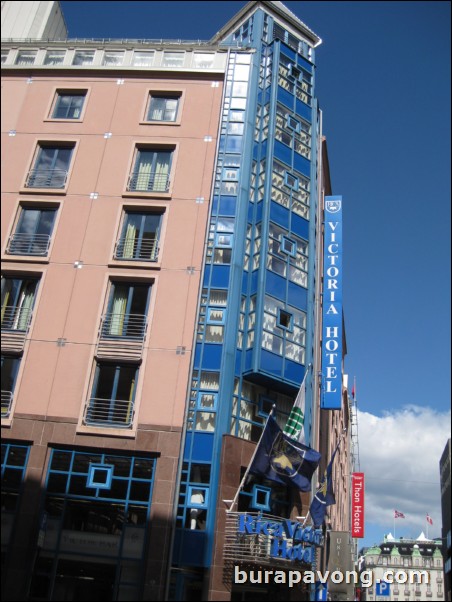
(130, 241)
(24, 306)
(157, 110)
(214, 334)
(210, 381)
(6, 293)
(129, 413)
(118, 312)
(161, 174)
(144, 174)
(205, 421)
(247, 412)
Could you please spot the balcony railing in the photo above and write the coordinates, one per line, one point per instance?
(7, 402)
(46, 178)
(123, 326)
(137, 250)
(29, 244)
(114, 413)
(121, 336)
(148, 182)
(16, 318)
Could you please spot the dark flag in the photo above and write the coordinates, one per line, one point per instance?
(283, 460)
(324, 495)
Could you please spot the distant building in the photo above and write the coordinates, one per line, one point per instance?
(445, 473)
(33, 20)
(408, 556)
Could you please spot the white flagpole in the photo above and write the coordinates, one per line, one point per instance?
(245, 476)
(426, 519)
(394, 525)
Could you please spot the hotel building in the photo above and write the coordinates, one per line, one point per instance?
(162, 232)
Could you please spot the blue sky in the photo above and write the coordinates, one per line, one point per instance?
(383, 82)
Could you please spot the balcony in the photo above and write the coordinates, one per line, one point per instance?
(46, 178)
(116, 413)
(7, 402)
(148, 182)
(136, 250)
(29, 244)
(14, 328)
(121, 336)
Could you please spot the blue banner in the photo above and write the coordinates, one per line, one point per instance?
(331, 397)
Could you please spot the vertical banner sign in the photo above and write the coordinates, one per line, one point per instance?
(358, 504)
(331, 398)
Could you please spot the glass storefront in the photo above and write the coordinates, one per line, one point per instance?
(93, 527)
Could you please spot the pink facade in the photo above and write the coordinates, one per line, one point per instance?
(65, 341)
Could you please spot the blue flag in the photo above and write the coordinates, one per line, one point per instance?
(283, 460)
(324, 495)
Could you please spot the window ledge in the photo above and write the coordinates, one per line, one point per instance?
(25, 258)
(171, 123)
(106, 431)
(50, 120)
(146, 195)
(124, 263)
(49, 191)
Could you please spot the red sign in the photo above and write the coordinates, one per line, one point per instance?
(358, 504)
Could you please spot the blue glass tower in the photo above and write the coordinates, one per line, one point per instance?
(256, 326)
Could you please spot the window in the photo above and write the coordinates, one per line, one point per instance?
(5, 54)
(113, 58)
(54, 57)
(151, 171)
(139, 237)
(33, 232)
(284, 331)
(198, 497)
(163, 108)
(26, 57)
(291, 181)
(10, 368)
(68, 105)
(113, 394)
(293, 124)
(143, 58)
(18, 296)
(261, 497)
(289, 246)
(101, 498)
(51, 167)
(284, 319)
(14, 464)
(127, 311)
(83, 57)
(99, 476)
(203, 60)
(294, 72)
(173, 59)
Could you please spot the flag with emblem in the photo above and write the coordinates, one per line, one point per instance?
(398, 514)
(429, 519)
(283, 460)
(295, 423)
(324, 495)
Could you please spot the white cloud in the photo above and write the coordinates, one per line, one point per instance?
(399, 454)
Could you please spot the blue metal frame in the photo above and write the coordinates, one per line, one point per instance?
(244, 211)
(94, 470)
(257, 491)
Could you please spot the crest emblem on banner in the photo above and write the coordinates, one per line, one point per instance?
(333, 206)
(285, 460)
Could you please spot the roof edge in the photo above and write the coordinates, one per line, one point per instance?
(277, 8)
